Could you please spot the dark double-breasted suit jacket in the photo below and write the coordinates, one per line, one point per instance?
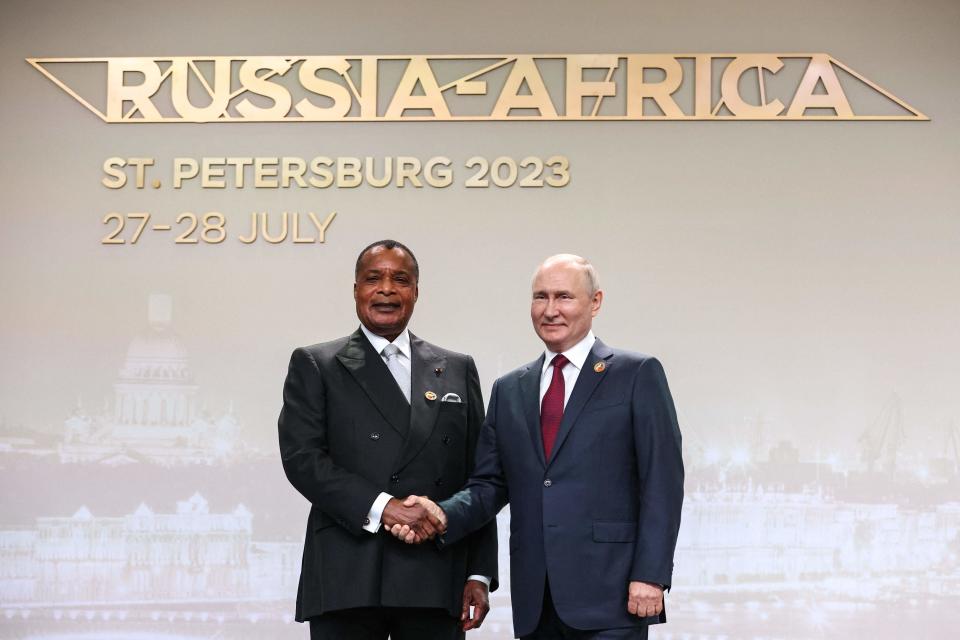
(346, 435)
(602, 511)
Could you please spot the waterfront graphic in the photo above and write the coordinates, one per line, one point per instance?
(153, 517)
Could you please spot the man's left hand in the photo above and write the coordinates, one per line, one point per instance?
(474, 595)
(644, 599)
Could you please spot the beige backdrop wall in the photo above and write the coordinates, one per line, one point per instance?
(798, 280)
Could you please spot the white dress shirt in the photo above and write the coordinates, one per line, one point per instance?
(577, 355)
(402, 341)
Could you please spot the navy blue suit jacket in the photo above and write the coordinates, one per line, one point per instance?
(602, 511)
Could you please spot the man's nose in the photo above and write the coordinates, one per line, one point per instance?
(386, 287)
(550, 311)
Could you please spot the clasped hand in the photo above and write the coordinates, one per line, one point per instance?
(414, 519)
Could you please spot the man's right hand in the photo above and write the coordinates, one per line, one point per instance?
(432, 521)
(413, 520)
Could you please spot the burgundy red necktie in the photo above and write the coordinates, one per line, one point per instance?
(551, 408)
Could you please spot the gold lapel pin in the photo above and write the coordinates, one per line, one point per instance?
(430, 395)
(600, 366)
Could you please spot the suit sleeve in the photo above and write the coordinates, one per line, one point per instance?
(481, 544)
(344, 496)
(485, 492)
(660, 468)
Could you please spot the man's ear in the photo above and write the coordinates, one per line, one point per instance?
(596, 302)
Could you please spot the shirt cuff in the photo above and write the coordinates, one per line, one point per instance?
(372, 521)
(484, 579)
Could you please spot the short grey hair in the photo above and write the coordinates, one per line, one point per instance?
(593, 278)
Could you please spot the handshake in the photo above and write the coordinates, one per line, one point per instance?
(414, 519)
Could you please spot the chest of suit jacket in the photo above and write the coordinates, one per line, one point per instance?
(421, 447)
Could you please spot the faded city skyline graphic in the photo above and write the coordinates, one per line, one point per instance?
(151, 517)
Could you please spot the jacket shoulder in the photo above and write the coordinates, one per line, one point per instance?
(324, 350)
(449, 354)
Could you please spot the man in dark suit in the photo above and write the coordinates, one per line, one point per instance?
(583, 443)
(377, 414)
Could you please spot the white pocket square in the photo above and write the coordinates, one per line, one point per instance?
(450, 397)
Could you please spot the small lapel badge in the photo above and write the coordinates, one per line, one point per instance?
(600, 366)
(430, 395)
(438, 371)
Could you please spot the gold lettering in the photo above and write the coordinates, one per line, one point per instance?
(296, 231)
(263, 170)
(219, 93)
(337, 93)
(253, 229)
(118, 91)
(113, 168)
(261, 85)
(820, 69)
(524, 70)
(265, 232)
(294, 168)
(578, 88)
(211, 168)
(318, 166)
(418, 72)
(437, 172)
(660, 92)
(348, 173)
(322, 227)
(730, 86)
(371, 165)
(184, 169)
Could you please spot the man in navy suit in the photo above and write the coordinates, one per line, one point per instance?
(583, 443)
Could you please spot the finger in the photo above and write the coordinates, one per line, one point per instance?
(650, 611)
(471, 620)
(480, 613)
(659, 609)
(410, 537)
(396, 530)
(632, 606)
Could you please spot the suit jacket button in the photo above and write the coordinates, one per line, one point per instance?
(374, 436)
(395, 478)
(446, 439)
(439, 482)
(547, 483)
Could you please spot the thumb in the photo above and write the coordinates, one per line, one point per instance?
(410, 501)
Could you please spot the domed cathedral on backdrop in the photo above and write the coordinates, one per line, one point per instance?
(156, 415)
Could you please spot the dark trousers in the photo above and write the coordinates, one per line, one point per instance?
(551, 627)
(376, 623)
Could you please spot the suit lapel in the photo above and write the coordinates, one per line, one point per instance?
(530, 396)
(371, 373)
(423, 412)
(587, 382)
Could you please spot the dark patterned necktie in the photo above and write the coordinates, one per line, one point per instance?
(551, 408)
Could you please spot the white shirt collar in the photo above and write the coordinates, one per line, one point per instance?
(577, 354)
(379, 342)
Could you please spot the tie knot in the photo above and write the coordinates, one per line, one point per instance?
(560, 361)
(390, 350)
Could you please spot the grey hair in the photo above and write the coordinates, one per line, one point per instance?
(593, 278)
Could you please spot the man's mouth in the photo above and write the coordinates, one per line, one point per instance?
(385, 306)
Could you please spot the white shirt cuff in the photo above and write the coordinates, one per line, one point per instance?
(376, 513)
(484, 579)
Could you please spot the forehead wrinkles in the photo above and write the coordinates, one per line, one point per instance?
(561, 278)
